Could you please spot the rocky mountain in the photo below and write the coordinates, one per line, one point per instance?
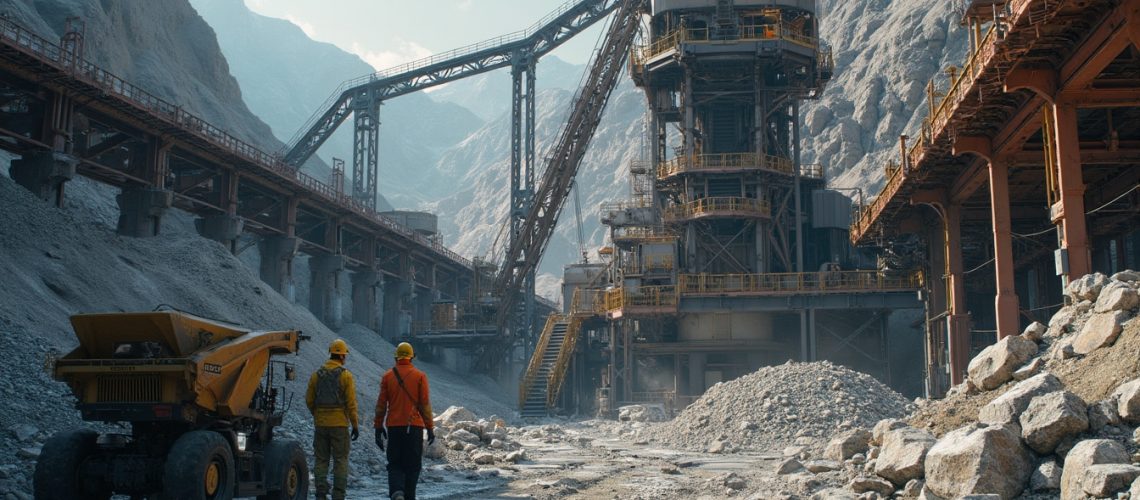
(164, 47)
(885, 53)
(287, 76)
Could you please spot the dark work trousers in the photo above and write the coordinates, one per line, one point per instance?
(405, 457)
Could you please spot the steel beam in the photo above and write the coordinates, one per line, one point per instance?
(1069, 212)
(1005, 304)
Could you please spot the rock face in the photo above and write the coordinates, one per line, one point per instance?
(975, 460)
(1083, 456)
(1101, 330)
(1050, 418)
(847, 445)
(994, 366)
(903, 454)
(1007, 408)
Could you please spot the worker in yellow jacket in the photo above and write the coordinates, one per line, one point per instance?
(331, 399)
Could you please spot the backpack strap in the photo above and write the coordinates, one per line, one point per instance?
(415, 403)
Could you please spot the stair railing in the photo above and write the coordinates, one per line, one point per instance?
(536, 358)
(565, 354)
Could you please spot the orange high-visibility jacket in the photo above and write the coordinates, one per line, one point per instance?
(394, 402)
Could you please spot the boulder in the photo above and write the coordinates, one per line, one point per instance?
(1030, 369)
(1126, 275)
(453, 415)
(1061, 321)
(1052, 417)
(718, 446)
(976, 459)
(864, 484)
(463, 436)
(435, 450)
(1116, 296)
(1128, 401)
(1035, 331)
(473, 427)
(913, 488)
(903, 453)
(1101, 330)
(515, 457)
(882, 427)
(789, 466)
(641, 413)
(995, 364)
(821, 466)
(1105, 480)
(847, 445)
(1086, 454)
(483, 458)
(1134, 490)
(1087, 287)
(1047, 477)
(1007, 408)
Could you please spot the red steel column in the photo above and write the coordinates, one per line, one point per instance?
(1005, 305)
(958, 321)
(1069, 212)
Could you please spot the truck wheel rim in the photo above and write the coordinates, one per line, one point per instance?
(291, 482)
(213, 477)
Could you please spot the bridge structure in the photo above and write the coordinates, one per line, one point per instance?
(1024, 176)
(65, 116)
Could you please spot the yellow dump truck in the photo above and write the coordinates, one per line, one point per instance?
(201, 401)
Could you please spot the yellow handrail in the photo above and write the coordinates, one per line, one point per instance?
(647, 296)
(831, 281)
(536, 358)
(565, 354)
(671, 40)
(707, 206)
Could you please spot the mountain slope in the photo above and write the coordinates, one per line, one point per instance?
(287, 76)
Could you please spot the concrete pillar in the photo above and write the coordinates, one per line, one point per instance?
(1069, 211)
(1005, 304)
(365, 294)
(958, 319)
(697, 363)
(392, 299)
(324, 285)
(222, 228)
(277, 253)
(141, 210)
(44, 173)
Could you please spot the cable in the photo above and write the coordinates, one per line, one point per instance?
(984, 264)
(1090, 212)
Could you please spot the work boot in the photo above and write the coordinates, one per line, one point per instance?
(398, 495)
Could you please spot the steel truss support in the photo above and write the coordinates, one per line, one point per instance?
(365, 148)
(522, 182)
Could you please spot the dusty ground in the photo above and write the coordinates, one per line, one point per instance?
(589, 461)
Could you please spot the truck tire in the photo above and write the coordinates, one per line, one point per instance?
(57, 468)
(286, 471)
(200, 466)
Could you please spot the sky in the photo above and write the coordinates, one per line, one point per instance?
(387, 33)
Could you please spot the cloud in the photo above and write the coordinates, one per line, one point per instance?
(464, 5)
(403, 51)
(307, 27)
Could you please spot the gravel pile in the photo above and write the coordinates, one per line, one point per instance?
(777, 406)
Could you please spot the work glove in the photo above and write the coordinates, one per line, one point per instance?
(381, 435)
(431, 437)
(355, 433)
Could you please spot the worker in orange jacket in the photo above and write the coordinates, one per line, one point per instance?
(403, 412)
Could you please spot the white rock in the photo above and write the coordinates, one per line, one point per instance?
(994, 366)
(464, 436)
(1116, 296)
(1126, 276)
(435, 450)
(1101, 330)
(1007, 408)
(789, 466)
(1030, 369)
(864, 484)
(23, 432)
(1086, 454)
(483, 458)
(847, 445)
(913, 488)
(1087, 287)
(882, 427)
(903, 454)
(976, 459)
(1035, 331)
(1128, 401)
(1052, 417)
(821, 466)
(1047, 477)
(453, 415)
(515, 457)
(1104, 480)
(1134, 491)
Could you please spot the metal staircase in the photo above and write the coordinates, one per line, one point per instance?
(547, 369)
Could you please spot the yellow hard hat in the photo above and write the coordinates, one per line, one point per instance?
(404, 351)
(338, 346)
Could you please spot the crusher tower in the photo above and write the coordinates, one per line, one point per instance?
(730, 255)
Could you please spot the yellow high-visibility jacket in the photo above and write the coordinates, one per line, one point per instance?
(338, 416)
